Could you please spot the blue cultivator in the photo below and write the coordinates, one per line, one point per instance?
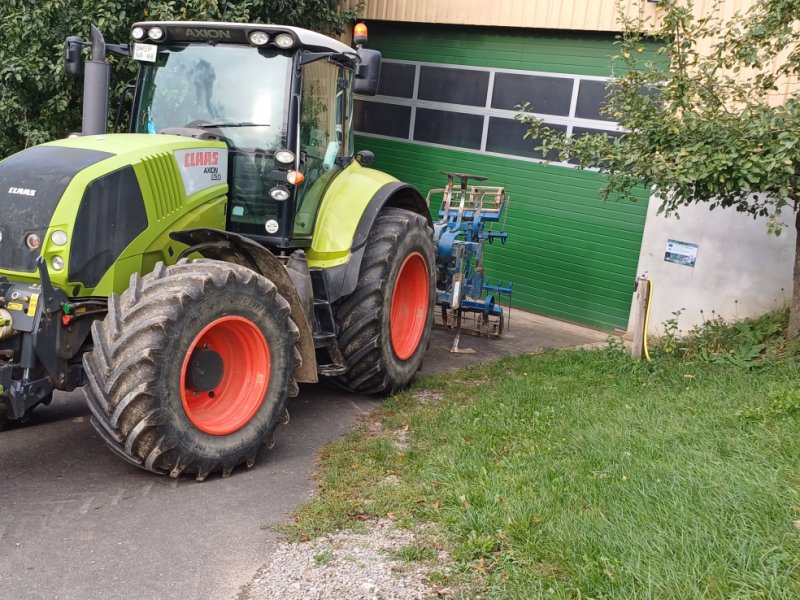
(460, 233)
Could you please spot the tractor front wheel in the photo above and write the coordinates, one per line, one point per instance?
(191, 368)
(386, 322)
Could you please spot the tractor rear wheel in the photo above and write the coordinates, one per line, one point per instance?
(385, 324)
(191, 368)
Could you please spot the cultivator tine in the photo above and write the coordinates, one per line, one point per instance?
(455, 349)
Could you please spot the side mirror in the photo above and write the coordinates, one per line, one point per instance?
(365, 158)
(368, 73)
(73, 61)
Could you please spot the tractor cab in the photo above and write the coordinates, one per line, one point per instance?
(280, 97)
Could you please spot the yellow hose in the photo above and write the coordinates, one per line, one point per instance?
(647, 317)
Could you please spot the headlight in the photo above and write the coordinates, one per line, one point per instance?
(138, 33)
(284, 41)
(59, 238)
(258, 38)
(279, 193)
(284, 157)
(57, 262)
(156, 34)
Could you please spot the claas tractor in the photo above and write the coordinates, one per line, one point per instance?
(189, 273)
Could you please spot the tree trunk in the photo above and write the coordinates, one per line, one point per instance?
(794, 311)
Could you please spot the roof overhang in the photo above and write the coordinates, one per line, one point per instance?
(238, 33)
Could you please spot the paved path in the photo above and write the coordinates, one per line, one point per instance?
(78, 523)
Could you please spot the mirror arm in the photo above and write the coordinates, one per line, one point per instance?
(310, 57)
(119, 49)
(129, 87)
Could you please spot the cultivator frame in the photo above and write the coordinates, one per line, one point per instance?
(459, 236)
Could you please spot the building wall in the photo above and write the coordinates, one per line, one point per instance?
(586, 15)
(741, 271)
(569, 254)
(578, 15)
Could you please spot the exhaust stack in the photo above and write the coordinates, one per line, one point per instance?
(97, 78)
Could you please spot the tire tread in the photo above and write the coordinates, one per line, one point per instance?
(359, 314)
(122, 370)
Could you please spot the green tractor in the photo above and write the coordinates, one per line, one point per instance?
(188, 274)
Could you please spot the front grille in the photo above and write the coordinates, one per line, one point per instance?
(165, 182)
(111, 215)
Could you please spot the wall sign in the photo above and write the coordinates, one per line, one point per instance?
(681, 253)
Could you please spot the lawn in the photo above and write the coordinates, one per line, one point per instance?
(584, 474)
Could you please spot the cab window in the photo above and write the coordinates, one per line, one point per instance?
(324, 135)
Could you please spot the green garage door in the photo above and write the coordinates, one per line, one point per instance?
(447, 102)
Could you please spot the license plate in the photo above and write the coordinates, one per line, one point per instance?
(145, 52)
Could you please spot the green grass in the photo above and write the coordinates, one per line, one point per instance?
(414, 553)
(579, 474)
(324, 557)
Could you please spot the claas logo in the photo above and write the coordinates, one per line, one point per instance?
(200, 159)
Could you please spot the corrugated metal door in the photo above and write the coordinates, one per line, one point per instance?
(447, 101)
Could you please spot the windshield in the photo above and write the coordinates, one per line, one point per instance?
(238, 91)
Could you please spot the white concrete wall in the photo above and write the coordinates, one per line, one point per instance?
(741, 270)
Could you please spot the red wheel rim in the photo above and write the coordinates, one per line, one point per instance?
(409, 306)
(231, 404)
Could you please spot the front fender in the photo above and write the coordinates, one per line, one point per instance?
(234, 248)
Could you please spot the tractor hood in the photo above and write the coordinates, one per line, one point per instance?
(32, 183)
(101, 192)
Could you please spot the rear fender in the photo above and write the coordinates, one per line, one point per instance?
(346, 217)
(234, 248)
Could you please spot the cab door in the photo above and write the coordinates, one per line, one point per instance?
(325, 136)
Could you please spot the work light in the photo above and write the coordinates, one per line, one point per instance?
(258, 38)
(284, 41)
(156, 34)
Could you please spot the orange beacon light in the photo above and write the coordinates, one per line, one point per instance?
(360, 34)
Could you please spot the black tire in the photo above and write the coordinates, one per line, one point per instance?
(364, 316)
(137, 370)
